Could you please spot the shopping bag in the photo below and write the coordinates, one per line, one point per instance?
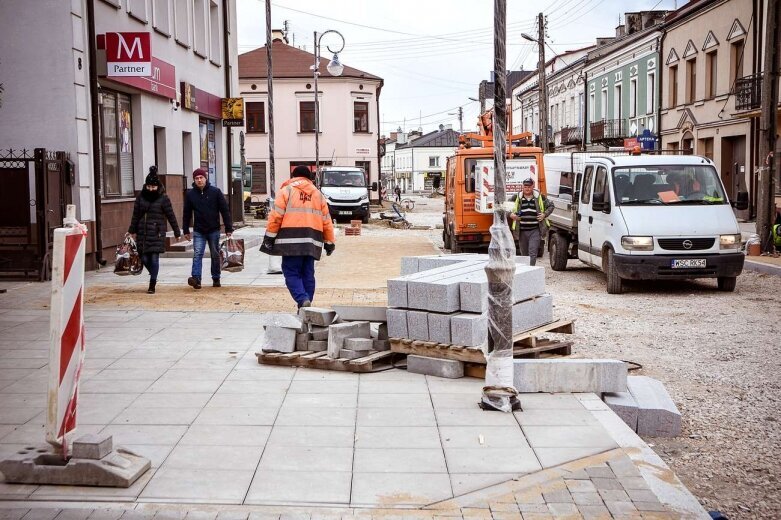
(232, 254)
(128, 261)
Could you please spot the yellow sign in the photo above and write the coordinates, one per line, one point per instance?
(232, 111)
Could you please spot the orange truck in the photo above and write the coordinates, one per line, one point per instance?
(469, 183)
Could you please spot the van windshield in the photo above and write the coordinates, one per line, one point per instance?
(336, 178)
(667, 184)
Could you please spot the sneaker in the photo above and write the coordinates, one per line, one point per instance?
(216, 282)
(306, 303)
(194, 282)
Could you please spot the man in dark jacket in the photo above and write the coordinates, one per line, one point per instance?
(208, 203)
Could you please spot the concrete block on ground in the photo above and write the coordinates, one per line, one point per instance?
(302, 338)
(533, 313)
(278, 339)
(381, 345)
(338, 332)
(347, 353)
(440, 292)
(92, 446)
(281, 319)
(317, 345)
(359, 343)
(318, 333)
(624, 405)
(528, 282)
(397, 323)
(469, 330)
(439, 327)
(569, 375)
(361, 313)
(317, 316)
(657, 415)
(449, 368)
(417, 325)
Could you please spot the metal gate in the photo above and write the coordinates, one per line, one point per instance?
(32, 202)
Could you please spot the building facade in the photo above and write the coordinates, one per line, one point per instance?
(114, 128)
(420, 163)
(349, 115)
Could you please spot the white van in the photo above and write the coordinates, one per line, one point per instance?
(346, 190)
(643, 217)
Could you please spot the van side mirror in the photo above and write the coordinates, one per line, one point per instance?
(741, 202)
(374, 186)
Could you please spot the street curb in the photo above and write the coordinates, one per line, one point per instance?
(760, 267)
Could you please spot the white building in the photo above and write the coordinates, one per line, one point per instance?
(58, 96)
(420, 163)
(349, 115)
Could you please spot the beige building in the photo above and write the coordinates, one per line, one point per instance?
(707, 46)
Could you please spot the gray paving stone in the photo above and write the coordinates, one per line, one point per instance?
(469, 330)
(397, 323)
(381, 345)
(417, 325)
(657, 414)
(361, 313)
(358, 344)
(559, 495)
(347, 353)
(317, 346)
(318, 333)
(652, 506)
(580, 486)
(587, 498)
(92, 446)
(439, 327)
(600, 472)
(528, 282)
(624, 405)
(317, 316)
(302, 338)
(621, 509)
(338, 332)
(47, 514)
(280, 319)
(624, 467)
(448, 368)
(594, 512)
(633, 482)
(607, 484)
(278, 339)
(569, 375)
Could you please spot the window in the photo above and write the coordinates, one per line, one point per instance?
(137, 9)
(710, 74)
(673, 94)
(633, 97)
(617, 102)
(215, 30)
(691, 81)
(116, 144)
(650, 93)
(182, 22)
(601, 189)
(705, 148)
(592, 101)
(361, 117)
(199, 27)
(603, 105)
(736, 60)
(586, 192)
(470, 175)
(433, 161)
(258, 177)
(306, 114)
(256, 118)
(161, 17)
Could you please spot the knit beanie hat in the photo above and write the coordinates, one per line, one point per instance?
(152, 179)
(200, 172)
(302, 171)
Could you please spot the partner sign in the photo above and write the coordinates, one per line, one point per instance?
(128, 54)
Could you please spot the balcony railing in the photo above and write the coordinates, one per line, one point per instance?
(571, 135)
(748, 92)
(608, 130)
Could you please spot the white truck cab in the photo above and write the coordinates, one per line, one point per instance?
(643, 217)
(346, 190)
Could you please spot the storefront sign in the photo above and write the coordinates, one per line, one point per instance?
(647, 140)
(201, 101)
(232, 111)
(362, 151)
(630, 143)
(161, 82)
(128, 54)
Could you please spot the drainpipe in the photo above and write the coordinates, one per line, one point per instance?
(660, 75)
(586, 121)
(379, 157)
(95, 116)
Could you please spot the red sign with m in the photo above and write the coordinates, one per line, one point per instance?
(128, 54)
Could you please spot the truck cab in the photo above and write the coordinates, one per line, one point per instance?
(643, 217)
(346, 190)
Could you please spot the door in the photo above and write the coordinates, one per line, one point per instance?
(584, 216)
(600, 229)
(733, 165)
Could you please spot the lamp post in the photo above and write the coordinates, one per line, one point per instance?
(540, 41)
(334, 68)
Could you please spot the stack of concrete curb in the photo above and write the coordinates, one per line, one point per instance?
(646, 407)
(344, 332)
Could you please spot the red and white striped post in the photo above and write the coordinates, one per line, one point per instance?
(66, 354)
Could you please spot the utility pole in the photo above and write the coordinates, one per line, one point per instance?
(498, 391)
(767, 127)
(541, 82)
(460, 115)
(270, 74)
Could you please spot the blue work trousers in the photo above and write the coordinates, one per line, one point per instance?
(299, 274)
(199, 248)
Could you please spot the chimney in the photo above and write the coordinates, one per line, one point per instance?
(393, 135)
(401, 138)
(620, 31)
(279, 35)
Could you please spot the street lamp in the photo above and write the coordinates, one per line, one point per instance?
(335, 68)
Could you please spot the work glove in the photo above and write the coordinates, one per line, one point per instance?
(267, 246)
(329, 248)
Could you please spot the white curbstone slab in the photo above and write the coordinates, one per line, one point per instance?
(397, 323)
(361, 313)
(532, 313)
(528, 282)
(439, 327)
(469, 330)
(417, 325)
(569, 375)
(657, 414)
(624, 405)
(449, 368)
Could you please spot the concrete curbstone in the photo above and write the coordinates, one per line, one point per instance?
(448, 368)
(338, 332)
(278, 339)
(569, 375)
(657, 414)
(624, 405)
(417, 325)
(397, 323)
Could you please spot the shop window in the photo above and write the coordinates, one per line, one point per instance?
(116, 140)
(256, 117)
(306, 112)
(361, 117)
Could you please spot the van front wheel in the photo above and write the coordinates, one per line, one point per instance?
(615, 285)
(727, 283)
(558, 252)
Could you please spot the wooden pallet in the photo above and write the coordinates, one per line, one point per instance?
(310, 359)
(525, 344)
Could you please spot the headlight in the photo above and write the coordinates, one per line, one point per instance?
(729, 241)
(637, 243)
(365, 196)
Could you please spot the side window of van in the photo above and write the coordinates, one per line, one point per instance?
(470, 175)
(585, 194)
(601, 192)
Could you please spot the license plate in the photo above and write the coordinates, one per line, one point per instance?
(689, 263)
(345, 212)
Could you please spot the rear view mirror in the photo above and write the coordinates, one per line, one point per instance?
(741, 202)
(374, 186)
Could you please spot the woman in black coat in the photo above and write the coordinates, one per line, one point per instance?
(147, 227)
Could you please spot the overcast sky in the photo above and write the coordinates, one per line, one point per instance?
(432, 54)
